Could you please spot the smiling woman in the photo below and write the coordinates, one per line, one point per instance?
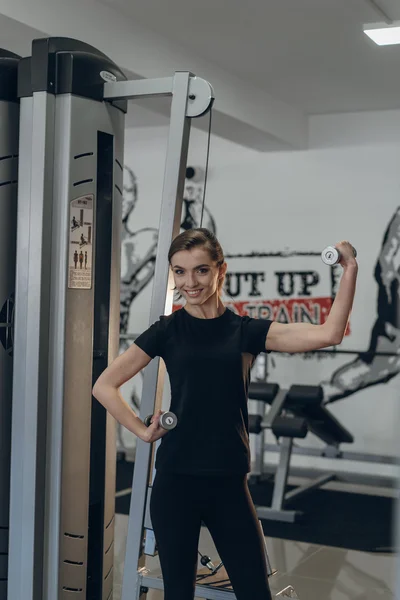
(199, 268)
(202, 464)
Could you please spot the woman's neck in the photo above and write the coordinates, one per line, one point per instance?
(211, 309)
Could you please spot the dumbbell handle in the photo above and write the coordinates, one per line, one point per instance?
(331, 255)
(168, 420)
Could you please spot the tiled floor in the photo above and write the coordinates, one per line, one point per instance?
(315, 572)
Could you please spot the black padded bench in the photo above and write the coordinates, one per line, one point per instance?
(292, 415)
(282, 426)
(306, 401)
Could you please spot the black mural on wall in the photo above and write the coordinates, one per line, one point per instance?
(381, 361)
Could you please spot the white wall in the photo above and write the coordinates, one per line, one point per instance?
(346, 186)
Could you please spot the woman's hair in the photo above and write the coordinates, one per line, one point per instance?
(195, 238)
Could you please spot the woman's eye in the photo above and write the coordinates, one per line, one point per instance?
(203, 271)
(178, 272)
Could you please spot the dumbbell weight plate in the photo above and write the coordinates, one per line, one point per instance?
(331, 256)
(168, 420)
(147, 420)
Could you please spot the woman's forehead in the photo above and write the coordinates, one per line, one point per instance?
(192, 257)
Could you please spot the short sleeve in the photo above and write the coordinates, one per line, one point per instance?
(255, 333)
(151, 341)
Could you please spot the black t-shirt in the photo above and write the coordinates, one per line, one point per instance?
(208, 362)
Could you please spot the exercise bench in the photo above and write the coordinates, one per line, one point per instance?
(293, 414)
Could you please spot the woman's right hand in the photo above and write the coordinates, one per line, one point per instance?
(154, 431)
(346, 251)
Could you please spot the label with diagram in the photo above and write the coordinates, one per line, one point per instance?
(80, 243)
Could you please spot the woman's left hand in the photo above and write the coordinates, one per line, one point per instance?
(154, 431)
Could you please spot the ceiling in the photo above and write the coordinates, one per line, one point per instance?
(311, 54)
(271, 62)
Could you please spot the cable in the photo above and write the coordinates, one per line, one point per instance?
(206, 562)
(206, 170)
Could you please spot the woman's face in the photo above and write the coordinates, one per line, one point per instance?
(196, 275)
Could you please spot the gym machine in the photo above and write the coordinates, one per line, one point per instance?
(73, 101)
(292, 415)
(9, 125)
(66, 323)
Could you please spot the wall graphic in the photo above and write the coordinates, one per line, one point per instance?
(381, 361)
(279, 286)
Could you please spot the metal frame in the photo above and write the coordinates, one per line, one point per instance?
(334, 453)
(283, 469)
(202, 591)
(330, 452)
(41, 482)
(56, 383)
(140, 88)
(161, 303)
(198, 100)
(277, 511)
(191, 97)
(28, 452)
(9, 119)
(207, 591)
(210, 593)
(339, 477)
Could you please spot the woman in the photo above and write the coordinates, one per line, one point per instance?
(202, 464)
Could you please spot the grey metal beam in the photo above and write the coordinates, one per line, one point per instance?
(161, 303)
(140, 88)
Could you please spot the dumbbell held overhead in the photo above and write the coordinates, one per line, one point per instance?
(168, 420)
(331, 255)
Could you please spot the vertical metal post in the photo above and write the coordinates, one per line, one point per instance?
(259, 443)
(9, 120)
(267, 560)
(161, 303)
(282, 473)
(57, 348)
(28, 457)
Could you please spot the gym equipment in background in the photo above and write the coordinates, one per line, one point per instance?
(66, 323)
(303, 412)
(294, 413)
(73, 101)
(9, 128)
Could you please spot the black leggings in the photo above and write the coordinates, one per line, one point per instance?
(179, 504)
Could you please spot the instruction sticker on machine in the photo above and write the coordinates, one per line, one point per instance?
(80, 243)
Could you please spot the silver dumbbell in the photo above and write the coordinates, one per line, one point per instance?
(331, 255)
(168, 420)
